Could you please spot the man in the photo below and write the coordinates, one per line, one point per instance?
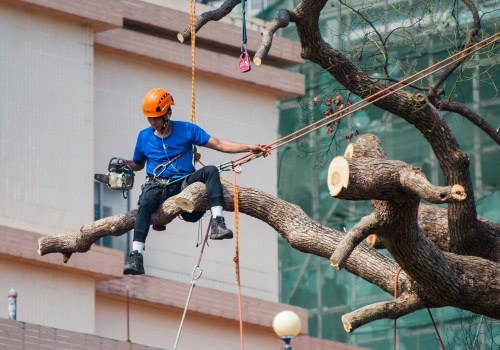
(166, 149)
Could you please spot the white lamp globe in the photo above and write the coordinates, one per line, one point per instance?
(286, 323)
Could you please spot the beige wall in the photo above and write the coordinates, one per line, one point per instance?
(46, 119)
(48, 297)
(224, 111)
(157, 326)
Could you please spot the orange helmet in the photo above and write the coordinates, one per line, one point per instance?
(156, 103)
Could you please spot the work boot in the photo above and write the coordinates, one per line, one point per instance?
(219, 230)
(134, 265)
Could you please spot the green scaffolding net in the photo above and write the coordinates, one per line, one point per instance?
(309, 281)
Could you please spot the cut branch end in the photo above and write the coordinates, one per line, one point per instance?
(338, 175)
(185, 204)
(347, 324)
(458, 192)
(180, 37)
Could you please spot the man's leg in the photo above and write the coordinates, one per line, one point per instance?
(209, 175)
(150, 200)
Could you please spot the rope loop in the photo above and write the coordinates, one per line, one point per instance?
(197, 272)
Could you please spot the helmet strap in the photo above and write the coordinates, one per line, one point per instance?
(165, 123)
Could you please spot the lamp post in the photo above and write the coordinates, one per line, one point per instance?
(12, 304)
(286, 324)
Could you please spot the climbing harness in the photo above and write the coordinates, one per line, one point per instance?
(244, 61)
(196, 274)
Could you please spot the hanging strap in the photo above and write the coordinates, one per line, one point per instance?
(244, 32)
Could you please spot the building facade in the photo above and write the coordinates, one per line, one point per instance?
(72, 78)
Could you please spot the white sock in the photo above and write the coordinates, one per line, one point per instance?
(139, 246)
(216, 211)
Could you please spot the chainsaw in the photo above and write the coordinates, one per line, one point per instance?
(120, 176)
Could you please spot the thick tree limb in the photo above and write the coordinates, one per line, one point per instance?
(214, 15)
(308, 236)
(372, 178)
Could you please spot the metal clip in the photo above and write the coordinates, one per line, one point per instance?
(225, 166)
(200, 272)
(236, 168)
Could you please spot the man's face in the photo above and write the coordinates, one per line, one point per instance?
(156, 123)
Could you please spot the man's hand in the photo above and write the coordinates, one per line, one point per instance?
(259, 148)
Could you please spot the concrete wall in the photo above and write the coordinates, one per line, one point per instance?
(157, 326)
(46, 122)
(52, 298)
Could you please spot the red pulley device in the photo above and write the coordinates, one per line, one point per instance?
(244, 63)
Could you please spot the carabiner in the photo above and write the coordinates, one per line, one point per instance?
(225, 166)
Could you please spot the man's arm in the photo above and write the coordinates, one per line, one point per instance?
(233, 147)
(136, 166)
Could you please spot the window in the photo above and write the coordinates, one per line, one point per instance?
(109, 202)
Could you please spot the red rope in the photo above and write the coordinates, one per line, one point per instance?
(395, 297)
(435, 328)
(432, 319)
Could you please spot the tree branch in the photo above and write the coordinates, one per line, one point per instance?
(387, 309)
(434, 93)
(482, 124)
(281, 21)
(354, 237)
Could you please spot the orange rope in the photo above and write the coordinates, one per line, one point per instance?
(253, 156)
(236, 258)
(193, 32)
(166, 165)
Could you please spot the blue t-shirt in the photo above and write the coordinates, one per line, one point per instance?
(156, 150)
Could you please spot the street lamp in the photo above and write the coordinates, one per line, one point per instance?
(286, 324)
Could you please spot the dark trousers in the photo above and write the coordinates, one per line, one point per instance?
(153, 195)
